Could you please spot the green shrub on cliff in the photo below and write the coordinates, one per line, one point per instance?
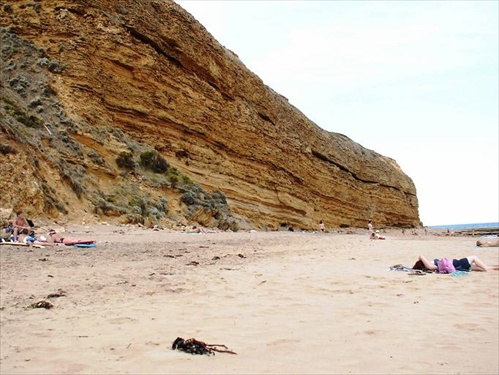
(154, 161)
(125, 160)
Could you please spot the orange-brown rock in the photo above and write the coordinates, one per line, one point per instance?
(84, 82)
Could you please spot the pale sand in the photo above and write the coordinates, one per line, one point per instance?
(286, 302)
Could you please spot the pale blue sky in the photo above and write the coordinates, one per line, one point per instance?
(417, 81)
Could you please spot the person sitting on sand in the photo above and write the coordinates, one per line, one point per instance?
(20, 226)
(55, 238)
(370, 229)
(470, 263)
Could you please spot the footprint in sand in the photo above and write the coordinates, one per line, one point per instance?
(281, 342)
(470, 327)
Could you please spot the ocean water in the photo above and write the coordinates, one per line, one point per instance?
(466, 226)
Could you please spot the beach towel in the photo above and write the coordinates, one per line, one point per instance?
(399, 267)
(68, 242)
(412, 271)
(21, 244)
(85, 245)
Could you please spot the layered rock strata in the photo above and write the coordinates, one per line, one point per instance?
(112, 73)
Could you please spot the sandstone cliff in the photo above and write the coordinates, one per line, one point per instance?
(132, 109)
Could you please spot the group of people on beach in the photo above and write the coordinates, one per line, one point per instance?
(373, 234)
(21, 230)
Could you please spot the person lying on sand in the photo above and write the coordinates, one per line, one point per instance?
(55, 238)
(488, 243)
(470, 263)
(43, 241)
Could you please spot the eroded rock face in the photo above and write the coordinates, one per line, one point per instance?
(101, 78)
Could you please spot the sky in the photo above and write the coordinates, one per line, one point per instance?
(417, 81)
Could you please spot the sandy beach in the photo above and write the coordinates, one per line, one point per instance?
(285, 302)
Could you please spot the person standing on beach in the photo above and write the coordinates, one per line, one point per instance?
(371, 229)
(322, 227)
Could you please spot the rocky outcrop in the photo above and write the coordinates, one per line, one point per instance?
(87, 82)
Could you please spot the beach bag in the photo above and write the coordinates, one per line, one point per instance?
(445, 266)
